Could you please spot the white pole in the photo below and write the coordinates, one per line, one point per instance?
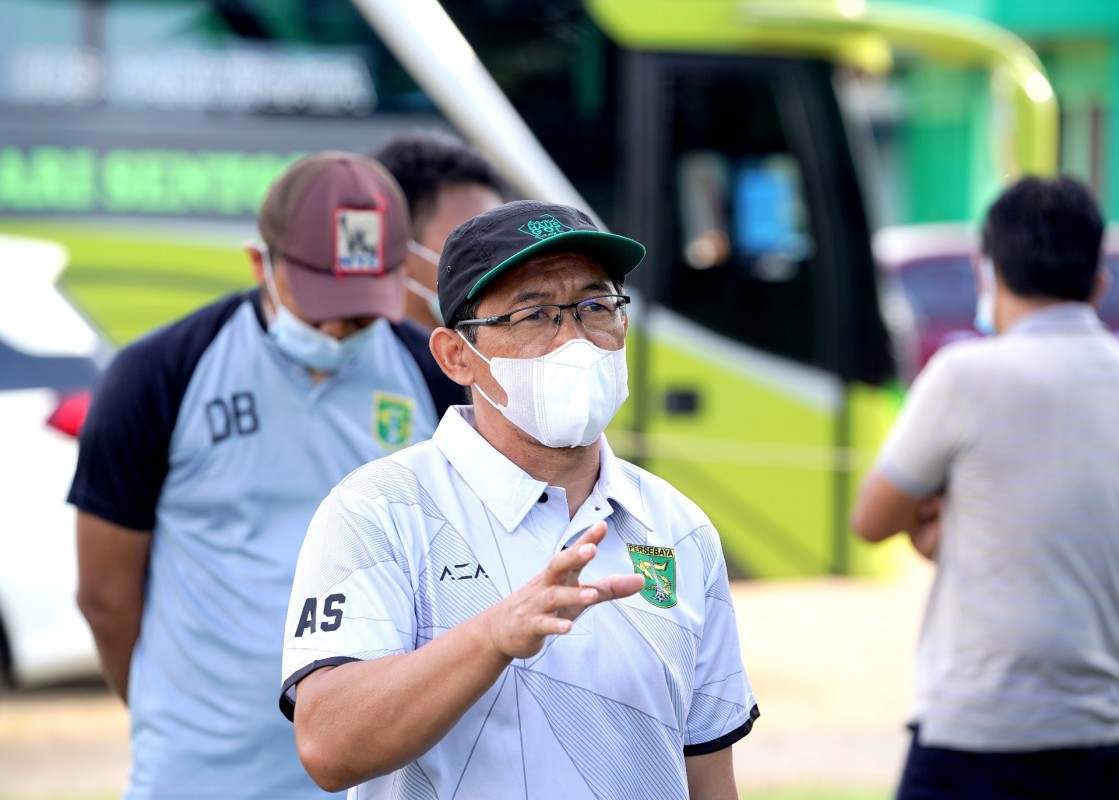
(427, 43)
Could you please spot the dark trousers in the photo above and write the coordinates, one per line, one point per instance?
(1081, 773)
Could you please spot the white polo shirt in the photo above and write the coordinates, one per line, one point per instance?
(411, 545)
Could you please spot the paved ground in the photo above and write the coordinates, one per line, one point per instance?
(830, 661)
(831, 664)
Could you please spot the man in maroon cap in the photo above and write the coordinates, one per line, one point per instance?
(208, 447)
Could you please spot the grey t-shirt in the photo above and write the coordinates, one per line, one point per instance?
(1019, 649)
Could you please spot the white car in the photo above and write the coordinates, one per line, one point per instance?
(49, 358)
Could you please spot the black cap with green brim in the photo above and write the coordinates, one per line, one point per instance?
(490, 244)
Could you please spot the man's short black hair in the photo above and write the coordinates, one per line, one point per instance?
(468, 310)
(1044, 237)
(424, 162)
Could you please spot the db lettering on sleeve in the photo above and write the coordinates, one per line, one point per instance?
(331, 615)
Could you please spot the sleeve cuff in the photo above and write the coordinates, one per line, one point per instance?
(287, 691)
(724, 741)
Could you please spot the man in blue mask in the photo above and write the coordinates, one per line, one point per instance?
(446, 182)
(509, 610)
(207, 448)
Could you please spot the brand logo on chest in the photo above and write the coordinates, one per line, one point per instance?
(463, 572)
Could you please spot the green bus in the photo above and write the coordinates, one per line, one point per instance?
(141, 135)
(762, 373)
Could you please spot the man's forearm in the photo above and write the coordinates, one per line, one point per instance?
(882, 509)
(116, 635)
(112, 565)
(362, 719)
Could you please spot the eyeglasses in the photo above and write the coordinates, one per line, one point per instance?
(605, 313)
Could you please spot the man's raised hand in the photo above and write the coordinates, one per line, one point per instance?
(548, 603)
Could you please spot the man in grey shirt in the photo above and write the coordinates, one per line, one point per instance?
(1004, 468)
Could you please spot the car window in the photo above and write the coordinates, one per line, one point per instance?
(940, 289)
(1109, 307)
(19, 370)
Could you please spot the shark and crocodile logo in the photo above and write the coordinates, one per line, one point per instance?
(658, 565)
(394, 419)
(544, 227)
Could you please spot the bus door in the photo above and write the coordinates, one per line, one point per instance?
(757, 350)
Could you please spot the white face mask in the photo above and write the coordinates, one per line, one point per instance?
(417, 288)
(304, 343)
(985, 299)
(565, 398)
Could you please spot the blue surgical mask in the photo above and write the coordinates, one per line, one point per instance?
(985, 299)
(417, 288)
(304, 343)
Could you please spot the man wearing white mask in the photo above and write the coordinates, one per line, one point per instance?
(509, 610)
(209, 445)
(446, 182)
(1002, 469)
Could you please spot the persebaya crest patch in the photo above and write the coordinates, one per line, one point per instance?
(545, 226)
(658, 565)
(394, 417)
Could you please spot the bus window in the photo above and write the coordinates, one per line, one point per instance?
(757, 213)
(743, 243)
(770, 216)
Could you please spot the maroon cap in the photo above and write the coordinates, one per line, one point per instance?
(340, 223)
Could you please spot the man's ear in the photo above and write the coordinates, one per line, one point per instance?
(1099, 290)
(252, 250)
(978, 262)
(453, 356)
